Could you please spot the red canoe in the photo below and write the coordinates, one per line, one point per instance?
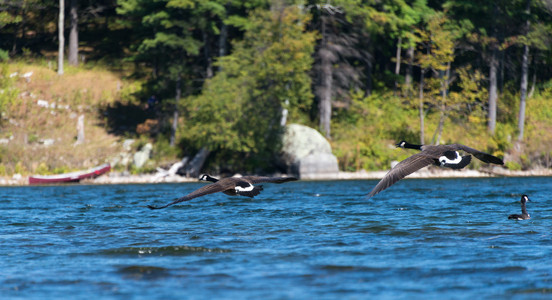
(70, 177)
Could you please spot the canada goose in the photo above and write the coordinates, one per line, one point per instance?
(232, 186)
(524, 215)
(440, 155)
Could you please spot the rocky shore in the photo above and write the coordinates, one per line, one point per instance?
(429, 172)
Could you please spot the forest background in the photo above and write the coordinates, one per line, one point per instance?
(227, 75)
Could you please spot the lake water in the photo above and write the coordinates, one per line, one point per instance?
(431, 239)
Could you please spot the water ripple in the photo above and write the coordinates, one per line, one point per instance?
(160, 251)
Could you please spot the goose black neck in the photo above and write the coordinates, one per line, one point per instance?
(209, 178)
(523, 208)
(412, 146)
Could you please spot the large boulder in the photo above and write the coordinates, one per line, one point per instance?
(307, 154)
(318, 165)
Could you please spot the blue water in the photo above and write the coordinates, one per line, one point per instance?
(431, 239)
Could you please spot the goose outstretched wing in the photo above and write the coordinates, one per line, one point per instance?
(259, 179)
(202, 191)
(405, 167)
(482, 156)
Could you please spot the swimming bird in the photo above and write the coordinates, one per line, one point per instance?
(524, 215)
(243, 186)
(440, 155)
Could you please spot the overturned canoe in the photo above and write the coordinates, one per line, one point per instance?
(70, 177)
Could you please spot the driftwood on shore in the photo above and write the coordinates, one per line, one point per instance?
(193, 168)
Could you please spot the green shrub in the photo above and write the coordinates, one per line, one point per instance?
(42, 169)
(4, 55)
(20, 168)
(512, 165)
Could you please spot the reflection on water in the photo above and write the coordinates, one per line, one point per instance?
(445, 238)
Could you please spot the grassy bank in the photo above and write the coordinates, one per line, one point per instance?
(39, 124)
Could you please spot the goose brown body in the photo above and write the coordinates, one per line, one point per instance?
(243, 186)
(440, 155)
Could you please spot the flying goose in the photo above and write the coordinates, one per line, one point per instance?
(524, 215)
(243, 186)
(440, 155)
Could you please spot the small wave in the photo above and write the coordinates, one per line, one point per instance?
(112, 208)
(161, 251)
(348, 268)
(143, 272)
(534, 291)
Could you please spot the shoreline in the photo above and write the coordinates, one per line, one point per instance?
(428, 172)
(434, 172)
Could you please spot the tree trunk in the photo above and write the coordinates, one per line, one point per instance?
(421, 107)
(326, 98)
(325, 105)
(492, 92)
(368, 86)
(193, 168)
(444, 103)
(493, 69)
(522, 100)
(207, 53)
(397, 66)
(524, 76)
(444, 88)
(175, 114)
(61, 36)
(436, 139)
(223, 37)
(409, 70)
(533, 82)
(501, 78)
(20, 30)
(73, 56)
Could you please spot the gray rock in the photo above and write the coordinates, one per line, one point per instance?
(142, 156)
(127, 144)
(47, 142)
(126, 158)
(299, 141)
(306, 153)
(317, 165)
